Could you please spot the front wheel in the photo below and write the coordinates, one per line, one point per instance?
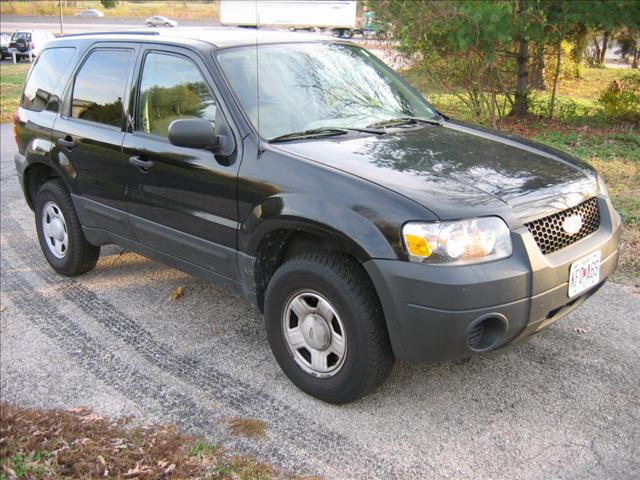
(59, 232)
(326, 328)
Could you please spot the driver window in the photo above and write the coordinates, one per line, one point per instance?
(171, 87)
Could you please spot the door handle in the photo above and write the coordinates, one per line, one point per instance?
(67, 142)
(143, 165)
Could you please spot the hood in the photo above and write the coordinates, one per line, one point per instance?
(459, 171)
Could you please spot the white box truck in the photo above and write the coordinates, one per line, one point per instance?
(337, 15)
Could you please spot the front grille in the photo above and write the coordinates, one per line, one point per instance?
(548, 231)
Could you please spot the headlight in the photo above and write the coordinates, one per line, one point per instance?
(602, 186)
(460, 242)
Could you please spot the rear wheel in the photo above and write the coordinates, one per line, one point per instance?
(326, 328)
(59, 232)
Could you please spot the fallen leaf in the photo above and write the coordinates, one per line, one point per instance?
(91, 418)
(76, 409)
(11, 474)
(580, 330)
(102, 460)
(177, 293)
(169, 469)
(138, 471)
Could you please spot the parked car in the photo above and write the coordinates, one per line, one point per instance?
(23, 42)
(90, 12)
(4, 46)
(159, 21)
(366, 225)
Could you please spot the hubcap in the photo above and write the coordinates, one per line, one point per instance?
(314, 334)
(54, 228)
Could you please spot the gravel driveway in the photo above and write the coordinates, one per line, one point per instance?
(563, 405)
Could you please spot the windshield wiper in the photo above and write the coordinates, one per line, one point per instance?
(321, 132)
(398, 122)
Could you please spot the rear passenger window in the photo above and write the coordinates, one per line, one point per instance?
(47, 71)
(100, 85)
(171, 87)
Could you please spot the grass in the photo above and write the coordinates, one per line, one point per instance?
(592, 83)
(186, 9)
(248, 427)
(13, 77)
(79, 444)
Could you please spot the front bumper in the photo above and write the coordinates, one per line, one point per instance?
(430, 309)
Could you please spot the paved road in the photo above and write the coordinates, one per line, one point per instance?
(10, 23)
(564, 405)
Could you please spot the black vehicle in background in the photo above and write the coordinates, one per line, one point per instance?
(307, 176)
(4, 46)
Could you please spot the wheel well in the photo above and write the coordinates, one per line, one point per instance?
(281, 245)
(34, 178)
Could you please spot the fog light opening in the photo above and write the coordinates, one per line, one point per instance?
(486, 332)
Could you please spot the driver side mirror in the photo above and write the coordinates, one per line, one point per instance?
(200, 133)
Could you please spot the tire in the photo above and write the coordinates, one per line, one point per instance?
(21, 45)
(54, 211)
(356, 318)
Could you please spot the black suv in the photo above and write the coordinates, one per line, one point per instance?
(306, 175)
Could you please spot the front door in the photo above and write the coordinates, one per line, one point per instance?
(182, 201)
(88, 137)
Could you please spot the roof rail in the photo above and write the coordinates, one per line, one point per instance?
(117, 32)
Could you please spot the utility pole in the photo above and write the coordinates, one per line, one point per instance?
(61, 21)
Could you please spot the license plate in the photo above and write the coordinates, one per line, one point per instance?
(584, 273)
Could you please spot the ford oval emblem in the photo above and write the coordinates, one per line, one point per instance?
(572, 224)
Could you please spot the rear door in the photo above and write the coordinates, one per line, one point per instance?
(89, 134)
(184, 203)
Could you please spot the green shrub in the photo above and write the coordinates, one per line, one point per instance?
(621, 98)
(109, 3)
(569, 68)
(574, 111)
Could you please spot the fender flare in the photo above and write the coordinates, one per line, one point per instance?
(295, 211)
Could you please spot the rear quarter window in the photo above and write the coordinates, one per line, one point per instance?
(17, 35)
(99, 86)
(49, 68)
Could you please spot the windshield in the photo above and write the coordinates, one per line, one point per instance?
(316, 85)
(17, 35)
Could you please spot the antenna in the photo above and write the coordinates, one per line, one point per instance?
(257, 68)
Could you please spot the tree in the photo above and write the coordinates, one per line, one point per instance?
(629, 40)
(486, 47)
(108, 4)
(488, 42)
(520, 105)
